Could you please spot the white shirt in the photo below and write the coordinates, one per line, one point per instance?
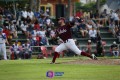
(24, 27)
(48, 21)
(116, 17)
(13, 28)
(92, 33)
(30, 14)
(52, 33)
(24, 14)
(41, 33)
(27, 47)
(34, 33)
(15, 47)
(89, 26)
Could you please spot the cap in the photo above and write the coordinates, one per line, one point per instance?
(114, 42)
(82, 20)
(61, 18)
(89, 41)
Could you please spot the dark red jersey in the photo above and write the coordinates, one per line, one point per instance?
(64, 32)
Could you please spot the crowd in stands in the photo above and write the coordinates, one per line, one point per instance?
(38, 27)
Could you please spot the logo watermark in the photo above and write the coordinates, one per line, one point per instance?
(51, 74)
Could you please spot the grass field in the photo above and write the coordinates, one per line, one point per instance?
(35, 69)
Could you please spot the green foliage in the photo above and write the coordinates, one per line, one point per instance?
(89, 6)
(102, 2)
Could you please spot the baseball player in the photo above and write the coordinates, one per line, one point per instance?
(64, 32)
(3, 40)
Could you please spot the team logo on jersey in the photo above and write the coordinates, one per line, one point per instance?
(62, 31)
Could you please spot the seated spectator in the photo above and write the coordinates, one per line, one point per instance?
(24, 26)
(28, 20)
(115, 49)
(112, 28)
(30, 14)
(93, 35)
(98, 24)
(24, 15)
(116, 19)
(16, 50)
(42, 34)
(89, 25)
(118, 34)
(6, 22)
(36, 25)
(83, 28)
(33, 37)
(13, 30)
(26, 50)
(29, 30)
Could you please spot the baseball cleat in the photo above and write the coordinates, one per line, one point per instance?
(52, 63)
(94, 57)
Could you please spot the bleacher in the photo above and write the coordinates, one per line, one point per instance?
(106, 36)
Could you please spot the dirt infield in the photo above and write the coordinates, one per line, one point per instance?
(99, 61)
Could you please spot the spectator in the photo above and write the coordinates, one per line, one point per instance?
(6, 22)
(91, 14)
(115, 49)
(44, 40)
(24, 15)
(30, 14)
(28, 20)
(37, 25)
(116, 19)
(104, 14)
(79, 14)
(89, 25)
(111, 15)
(112, 28)
(23, 27)
(83, 28)
(33, 37)
(13, 29)
(16, 50)
(93, 35)
(26, 50)
(96, 14)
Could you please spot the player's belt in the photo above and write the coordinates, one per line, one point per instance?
(66, 40)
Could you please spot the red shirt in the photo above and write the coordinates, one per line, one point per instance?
(64, 32)
(79, 14)
(37, 27)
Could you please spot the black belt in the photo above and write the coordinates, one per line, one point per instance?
(67, 40)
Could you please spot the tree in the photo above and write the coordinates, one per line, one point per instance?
(38, 5)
